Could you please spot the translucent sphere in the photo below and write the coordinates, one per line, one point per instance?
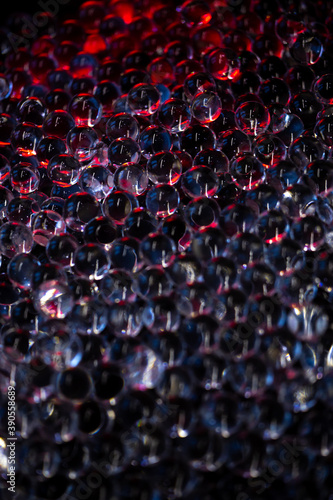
(124, 150)
(122, 125)
(60, 249)
(82, 141)
(164, 167)
(198, 82)
(91, 261)
(46, 224)
(74, 384)
(85, 109)
(24, 178)
(15, 238)
(21, 269)
(214, 159)
(58, 123)
(48, 148)
(117, 206)
(96, 180)
(144, 99)
(63, 170)
(26, 137)
(201, 213)
(206, 106)
(125, 319)
(269, 149)
(247, 171)
(154, 139)
(53, 299)
(162, 200)
(307, 48)
(100, 230)
(22, 209)
(132, 179)
(79, 209)
(323, 89)
(174, 115)
(252, 118)
(158, 249)
(200, 181)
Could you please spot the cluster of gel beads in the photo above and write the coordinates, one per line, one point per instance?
(166, 251)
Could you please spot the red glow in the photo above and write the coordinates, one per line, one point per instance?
(94, 44)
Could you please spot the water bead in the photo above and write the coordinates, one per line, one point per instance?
(305, 105)
(124, 150)
(100, 230)
(85, 109)
(158, 249)
(45, 224)
(82, 142)
(152, 282)
(21, 269)
(125, 255)
(214, 159)
(309, 231)
(154, 139)
(32, 110)
(247, 171)
(58, 123)
(238, 218)
(144, 99)
(252, 118)
(199, 181)
(274, 91)
(89, 316)
(174, 115)
(198, 82)
(122, 125)
(140, 223)
(74, 384)
(125, 319)
(63, 170)
(196, 138)
(91, 261)
(164, 167)
(206, 106)
(53, 299)
(201, 213)
(79, 209)
(233, 142)
(323, 89)
(96, 180)
(269, 149)
(118, 205)
(307, 49)
(49, 147)
(25, 138)
(60, 249)
(15, 238)
(132, 179)
(323, 130)
(83, 85)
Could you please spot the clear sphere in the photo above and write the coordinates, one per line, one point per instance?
(132, 179)
(15, 238)
(252, 118)
(144, 99)
(162, 200)
(63, 170)
(53, 299)
(85, 109)
(164, 168)
(206, 107)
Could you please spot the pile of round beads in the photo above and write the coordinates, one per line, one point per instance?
(166, 248)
